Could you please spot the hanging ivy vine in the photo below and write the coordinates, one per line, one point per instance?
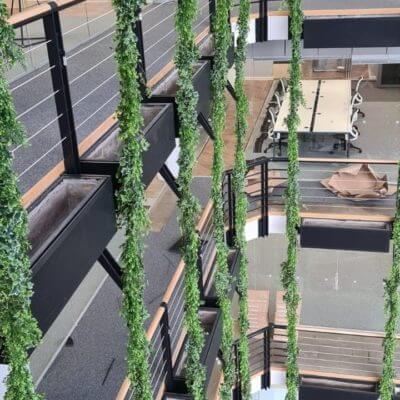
(239, 176)
(392, 310)
(222, 41)
(18, 328)
(185, 57)
(132, 213)
(288, 273)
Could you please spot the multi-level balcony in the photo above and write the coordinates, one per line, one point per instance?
(66, 99)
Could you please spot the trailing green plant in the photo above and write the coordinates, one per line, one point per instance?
(392, 310)
(18, 329)
(222, 40)
(132, 213)
(238, 183)
(186, 98)
(288, 273)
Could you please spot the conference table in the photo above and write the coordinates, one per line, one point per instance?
(326, 110)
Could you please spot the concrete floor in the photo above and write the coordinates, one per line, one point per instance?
(339, 289)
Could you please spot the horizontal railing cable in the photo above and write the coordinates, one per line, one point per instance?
(100, 108)
(42, 157)
(19, 116)
(87, 22)
(31, 79)
(30, 138)
(92, 44)
(94, 90)
(91, 68)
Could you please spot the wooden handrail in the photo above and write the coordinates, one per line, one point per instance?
(339, 331)
(123, 391)
(347, 161)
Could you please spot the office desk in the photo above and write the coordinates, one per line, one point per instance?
(305, 113)
(328, 110)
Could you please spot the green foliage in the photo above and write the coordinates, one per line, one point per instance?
(18, 328)
(288, 273)
(222, 40)
(185, 57)
(392, 310)
(239, 176)
(132, 213)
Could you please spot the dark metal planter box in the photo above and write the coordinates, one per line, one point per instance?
(211, 321)
(69, 227)
(315, 392)
(167, 89)
(159, 130)
(345, 235)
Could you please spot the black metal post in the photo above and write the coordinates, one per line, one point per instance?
(263, 222)
(200, 268)
(59, 76)
(112, 267)
(230, 234)
(169, 178)
(141, 67)
(265, 378)
(211, 8)
(203, 121)
(166, 341)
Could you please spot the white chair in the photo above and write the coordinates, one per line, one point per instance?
(275, 137)
(354, 134)
(357, 99)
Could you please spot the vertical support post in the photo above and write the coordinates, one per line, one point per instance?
(166, 342)
(112, 267)
(265, 378)
(211, 9)
(230, 234)
(263, 222)
(141, 67)
(237, 394)
(62, 96)
(200, 268)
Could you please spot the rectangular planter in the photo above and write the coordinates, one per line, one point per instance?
(167, 89)
(159, 130)
(212, 324)
(345, 235)
(315, 392)
(69, 227)
(351, 32)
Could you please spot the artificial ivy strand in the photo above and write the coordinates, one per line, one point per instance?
(392, 310)
(18, 328)
(185, 57)
(239, 176)
(288, 273)
(222, 41)
(132, 214)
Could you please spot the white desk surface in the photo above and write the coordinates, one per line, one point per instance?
(305, 113)
(333, 112)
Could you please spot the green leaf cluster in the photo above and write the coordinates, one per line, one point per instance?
(222, 40)
(132, 213)
(18, 328)
(186, 56)
(288, 272)
(238, 183)
(392, 310)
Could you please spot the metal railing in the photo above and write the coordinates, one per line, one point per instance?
(345, 189)
(68, 89)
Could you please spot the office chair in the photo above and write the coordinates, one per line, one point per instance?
(276, 138)
(357, 99)
(354, 135)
